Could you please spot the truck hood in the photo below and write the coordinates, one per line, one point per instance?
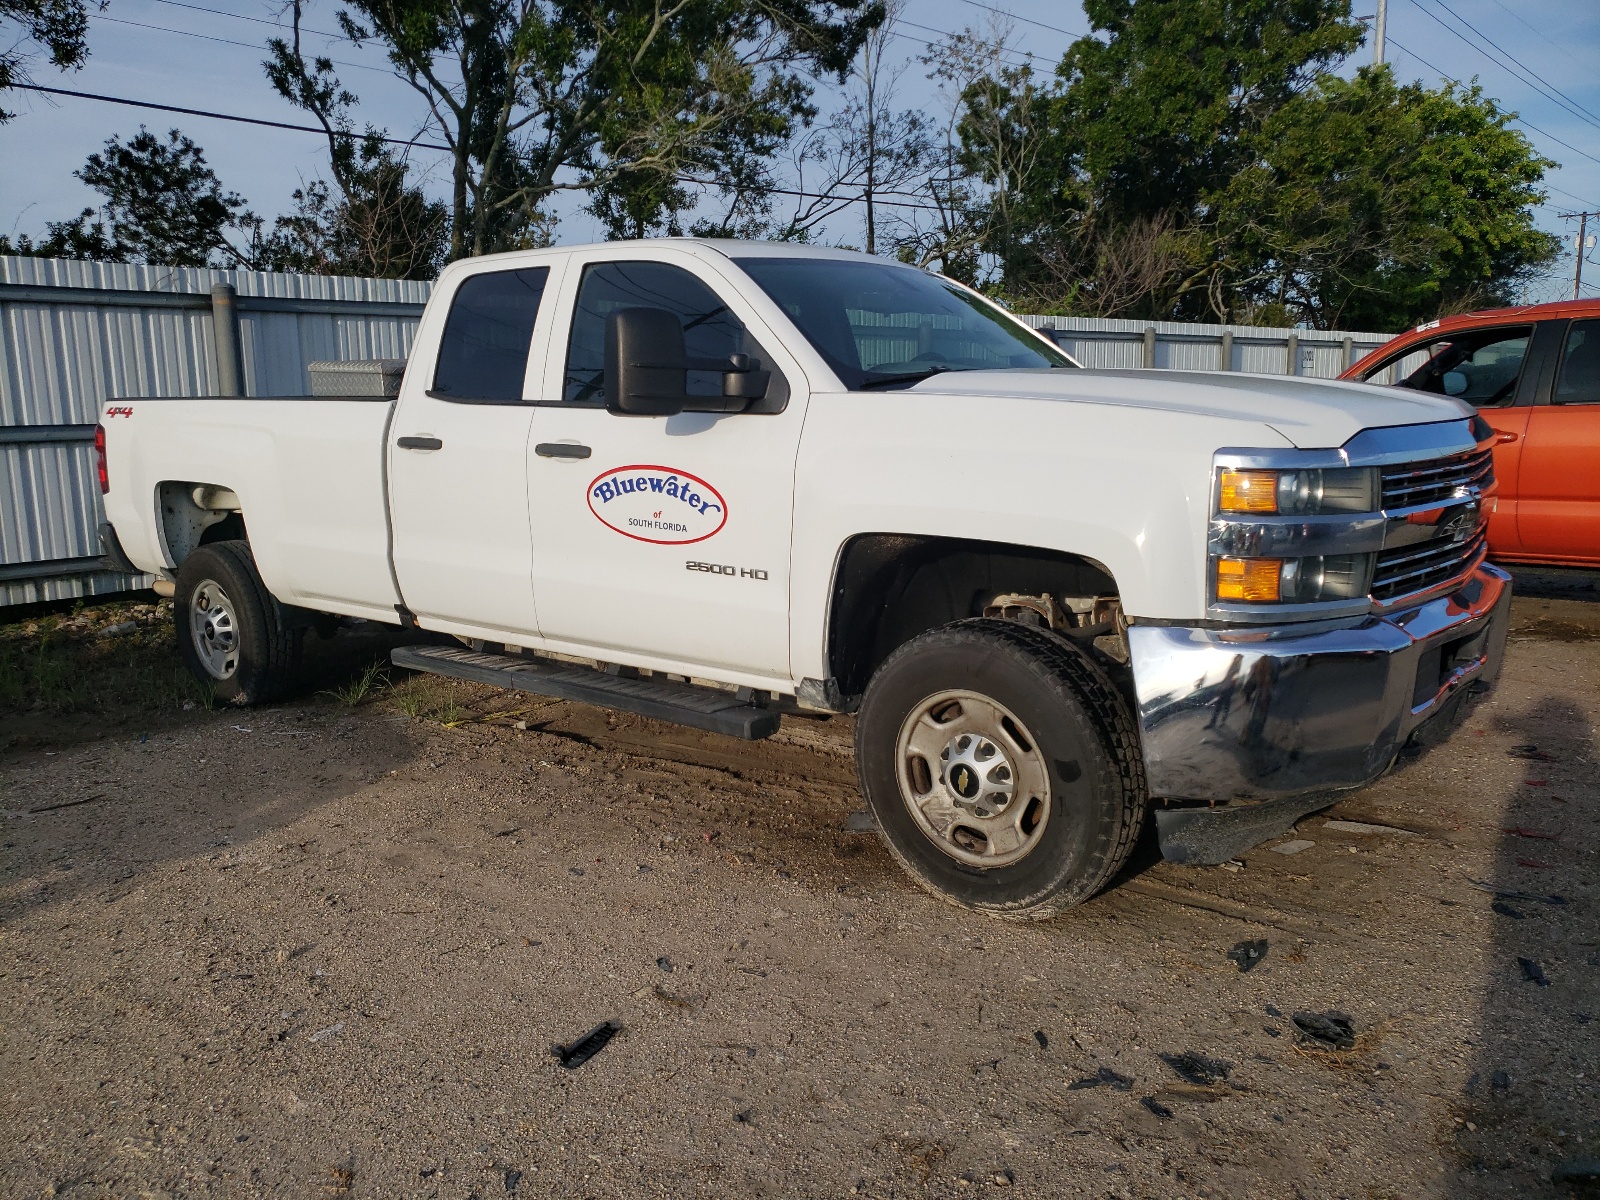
(1313, 414)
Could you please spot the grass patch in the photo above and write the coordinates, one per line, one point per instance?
(67, 663)
(374, 677)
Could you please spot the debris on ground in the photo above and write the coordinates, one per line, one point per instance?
(1042, 1038)
(1331, 1029)
(118, 630)
(1500, 1083)
(1293, 847)
(1505, 910)
(323, 1035)
(1249, 953)
(1524, 831)
(861, 822)
(1198, 1069)
(512, 1178)
(1104, 1077)
(1155, 1106)
(1508, 894)
(1367, 829)
(665, 964)
(575, 1054)
(1531, 753)
(1532, 972)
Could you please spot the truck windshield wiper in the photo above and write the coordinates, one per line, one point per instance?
(878, 381)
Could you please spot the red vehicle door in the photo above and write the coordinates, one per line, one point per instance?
(1558, 517)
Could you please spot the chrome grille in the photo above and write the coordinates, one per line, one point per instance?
(1408, 569)
(1406, 485)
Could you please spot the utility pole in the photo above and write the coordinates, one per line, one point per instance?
(1582, 244)
(1379, 26)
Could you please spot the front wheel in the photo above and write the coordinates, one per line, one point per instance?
(232, 632)
(1002, 767)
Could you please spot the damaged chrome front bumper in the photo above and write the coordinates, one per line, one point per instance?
(1265, 713)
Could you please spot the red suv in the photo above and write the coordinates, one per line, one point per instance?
(1534, 374)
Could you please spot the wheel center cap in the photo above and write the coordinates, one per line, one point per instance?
(977, 773)
(964, 781)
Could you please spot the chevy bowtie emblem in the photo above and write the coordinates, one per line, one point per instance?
(1460, 525)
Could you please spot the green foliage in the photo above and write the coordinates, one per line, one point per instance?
(372, 679)
(374, 219)
(57, 28)
(1388, 202)
(1199, 160)
(616, 99)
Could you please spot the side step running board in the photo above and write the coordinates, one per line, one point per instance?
(680, 703)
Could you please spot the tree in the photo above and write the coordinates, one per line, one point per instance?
(381, 223)
(535, 97)
(164, 204)
(1375, 204)
(58, 28)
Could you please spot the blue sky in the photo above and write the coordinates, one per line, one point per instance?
(1538, 57)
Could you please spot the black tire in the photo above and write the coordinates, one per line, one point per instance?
(1086, 746)
(253, 656)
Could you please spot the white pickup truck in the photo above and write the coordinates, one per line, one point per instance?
(716, 482)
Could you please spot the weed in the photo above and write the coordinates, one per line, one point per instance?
(371, 679)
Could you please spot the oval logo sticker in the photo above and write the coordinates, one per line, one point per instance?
(657, 504)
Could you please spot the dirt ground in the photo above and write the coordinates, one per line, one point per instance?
(324, 949)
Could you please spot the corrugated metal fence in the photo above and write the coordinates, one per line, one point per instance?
(74, 334)
(1173, 345)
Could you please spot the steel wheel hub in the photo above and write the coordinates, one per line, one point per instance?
(214, 629)
(973, 778)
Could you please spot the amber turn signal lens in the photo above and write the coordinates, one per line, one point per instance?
(1250, 579)
(1249, 492)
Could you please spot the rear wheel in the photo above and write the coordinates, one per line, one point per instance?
(1002, 766)
(232, 632)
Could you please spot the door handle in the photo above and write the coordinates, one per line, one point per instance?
(420, 443)
(562, 450)
(1503, 438)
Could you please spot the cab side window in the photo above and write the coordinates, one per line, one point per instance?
(1578, 379)
(709, 329)
(1479, 366)
(484, 354)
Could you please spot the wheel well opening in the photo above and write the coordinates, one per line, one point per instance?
(197, 514)
(891, 587)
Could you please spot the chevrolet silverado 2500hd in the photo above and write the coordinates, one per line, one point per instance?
(714, 482)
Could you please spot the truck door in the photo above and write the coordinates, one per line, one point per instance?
(1559, 513)
(458, 495)
(664, 538)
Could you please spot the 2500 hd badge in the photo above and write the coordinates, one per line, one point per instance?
(657, 504)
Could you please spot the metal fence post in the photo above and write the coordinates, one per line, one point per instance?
(1349, 354)
(1294, 355)
(1225, 358)
(1149, 346)
(225, 339)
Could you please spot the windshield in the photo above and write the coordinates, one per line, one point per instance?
(879, 325)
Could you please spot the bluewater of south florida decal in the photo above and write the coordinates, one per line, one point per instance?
(657, 504)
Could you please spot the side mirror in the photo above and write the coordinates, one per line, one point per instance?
(646, 364)
(647, 369)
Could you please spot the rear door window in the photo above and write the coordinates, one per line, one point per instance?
(484, 355)
(1578, 380)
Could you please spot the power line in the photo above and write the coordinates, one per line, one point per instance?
(200, 112)
(1523, 121)
(217, 12)
(1024, 20)
(943, 33)
(224, 41)
(1576, 107)
(1510, 65)
(217, 116)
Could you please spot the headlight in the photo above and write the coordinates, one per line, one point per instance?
(1293, 580)
(1299, 493)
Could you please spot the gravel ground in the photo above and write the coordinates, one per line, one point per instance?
(325, 949)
